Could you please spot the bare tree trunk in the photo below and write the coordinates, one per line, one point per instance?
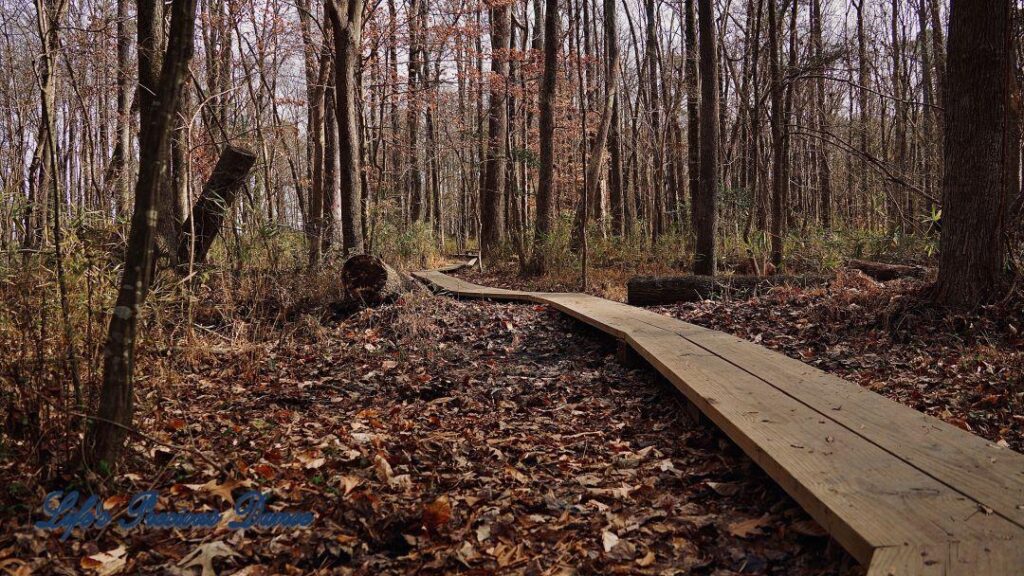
(546, 206)
(150, 55)
(864, 79)
(778, 144)
(105, 440)
(897, 216)
(492, 196)
(929, 112)
(692, 111)
(317, 65)
(119, 159)
(330, 191)
(657, 220)
(179, 162)
(938, 51)
(757, 202)
(347, 21)
(824, 173)
(414, 183)
(595, 160)
(48, 18)
(706, 222)
(976, 196)
(214, 204)
(615, 192)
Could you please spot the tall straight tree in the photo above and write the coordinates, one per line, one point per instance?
(778, 138)
(414, 182)
(976, 191)
(492, 196)
(347, 24)
(595, 160)
(823, 172)
(706, 221)
(119, 158)
(692, 107)
(615, 191)
(546, 206)
(105, 439)
(658, 215)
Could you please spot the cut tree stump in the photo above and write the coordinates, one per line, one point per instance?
(656, 290)
(218, 195)
(369, 281)
(885, 272)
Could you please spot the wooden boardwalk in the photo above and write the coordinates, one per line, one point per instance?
(903, 492)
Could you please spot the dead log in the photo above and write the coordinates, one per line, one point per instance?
(370, 281)
(218, 195)
(655, 290)
(885, 272)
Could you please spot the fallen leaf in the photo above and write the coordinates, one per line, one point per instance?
(646, 561)
(15, 567)
(350, 483)
(115, 501)
(519, 476)
(383, 468)
(204, 555)
(748, 527)
(224, 490)
(609, 540)
(467, 553)
(436, 514)
(106, 563)
(483, 532)
(724, 488)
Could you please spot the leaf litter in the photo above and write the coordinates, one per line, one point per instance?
(434, 436)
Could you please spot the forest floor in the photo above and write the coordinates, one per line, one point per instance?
(428, 436)
(965, 368)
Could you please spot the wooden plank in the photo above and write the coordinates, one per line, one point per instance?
(952, 559)
(990, 474)
(904, 492)
(857, 491)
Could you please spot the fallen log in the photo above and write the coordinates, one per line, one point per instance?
(655, 290)
(368, 280)
(199, 231)
(885, 272)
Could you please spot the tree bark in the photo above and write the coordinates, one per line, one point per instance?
(864, 79)
(778, 143)
(546, 206)
(492, 196)
(615, 191)
(692, 111)
(369, 281)
(105, 440)
(347, 21)
(706, 221)
(658, 215)
(975, 192)
(823, 172)
(119, 158)
(218, 195)
(414, 182)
